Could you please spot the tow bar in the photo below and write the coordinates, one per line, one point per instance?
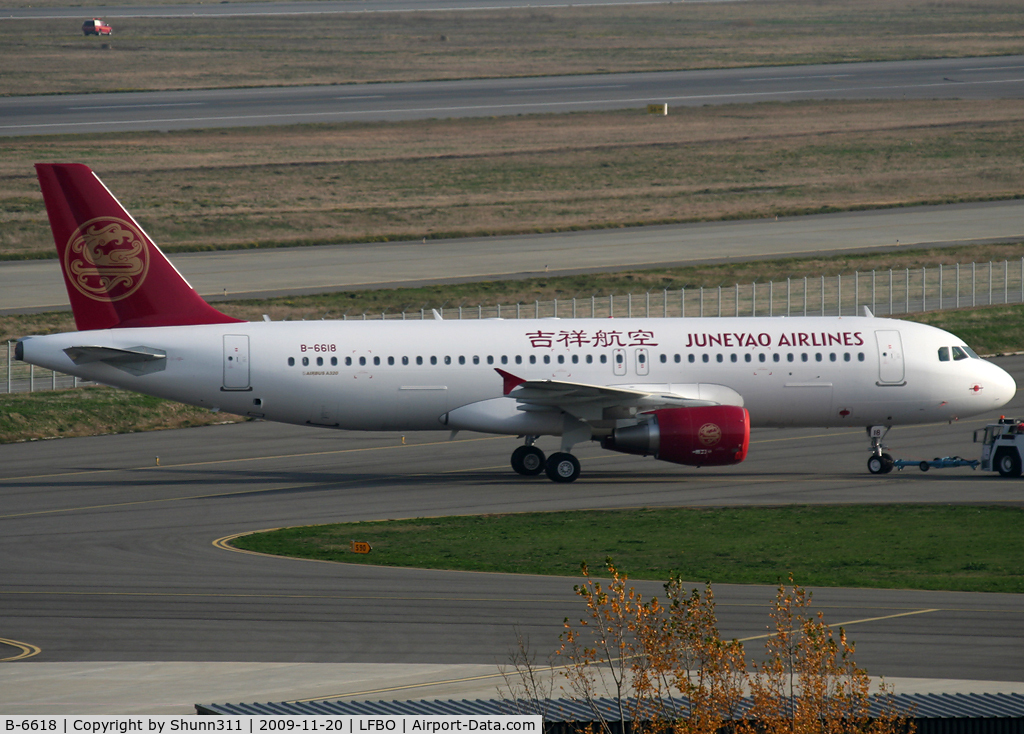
(945, 462)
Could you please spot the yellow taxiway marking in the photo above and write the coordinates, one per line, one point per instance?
(27, 650)
(92, 472)
(491, 676)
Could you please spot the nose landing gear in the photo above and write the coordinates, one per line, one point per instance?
(879, 462)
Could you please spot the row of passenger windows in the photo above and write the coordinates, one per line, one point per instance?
(587, 359)
(776, 357)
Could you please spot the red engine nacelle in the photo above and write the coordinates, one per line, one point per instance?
(714, 435)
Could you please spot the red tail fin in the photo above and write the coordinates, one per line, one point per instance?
(115, 275)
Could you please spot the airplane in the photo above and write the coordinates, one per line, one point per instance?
(685, 391)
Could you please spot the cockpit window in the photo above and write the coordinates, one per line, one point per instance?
(959, 354)
(943, 354)
(971, 352)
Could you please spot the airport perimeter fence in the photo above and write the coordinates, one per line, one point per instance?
(885, 292)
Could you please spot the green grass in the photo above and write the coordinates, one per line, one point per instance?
(94, 411)
(960, 548)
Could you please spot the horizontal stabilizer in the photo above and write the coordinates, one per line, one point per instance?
(135, 360)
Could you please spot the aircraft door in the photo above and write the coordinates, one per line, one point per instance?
(236, 362)
(891, 366)
(642, 361)
(619, 361)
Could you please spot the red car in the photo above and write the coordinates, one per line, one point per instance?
(96, 27)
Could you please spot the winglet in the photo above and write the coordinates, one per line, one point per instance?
(511, 381)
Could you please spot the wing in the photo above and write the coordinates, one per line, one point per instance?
(603, 402)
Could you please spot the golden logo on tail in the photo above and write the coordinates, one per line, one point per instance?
(106, 259)
(710, 434)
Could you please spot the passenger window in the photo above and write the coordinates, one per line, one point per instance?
(334, 361)
(817, 356)
(860, 356)
(447, 359)
(719, 358)
(433, 360)
(803, 356)
(405, 360)
(547, 359)
(732, 357)
(762, 358)
(348, 361)
(943, 354)
(291, 361)
(680, 359)
(376, 360)
(305, 361)
(846, 356)
(789, 357)
(476, 359)
(664, 358)
(319, 361)
(561, 359)
(462, 360)
(362, 361)
(590, 359)
(619, 358)
(575, 359)
(419, 360)
(706, 358)
(959, 354)
(533, 359)
(692, 359)
(776, 358)
(832, 357)
(604, 359)
(490, 359)
(747, 357)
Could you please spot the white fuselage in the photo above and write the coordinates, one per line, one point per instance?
(406, 375)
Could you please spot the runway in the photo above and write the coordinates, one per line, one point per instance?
(969, 78)
(110, 562)
(37, 285)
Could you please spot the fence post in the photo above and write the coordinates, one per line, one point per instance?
(805, 295)
(940, 286)
(664, 303)
(753, 299)
(958, 281)
(593, 307)
(736, 300)
(647, 305)
(823, 295)
(1006, 281)
(31, 378)
(872, 291)
(702, 289)
(924, 288)
(554, 310)
(839, 294)
(611, 305)
(8, 366)
(906, 292)
(682, 302)
(789, 292)
(856, 292)
(989, 282)
(974, 284)
(771, 295)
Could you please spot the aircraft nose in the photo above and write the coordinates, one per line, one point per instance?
(1004, 387)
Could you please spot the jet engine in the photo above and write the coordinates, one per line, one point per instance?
(714, 435)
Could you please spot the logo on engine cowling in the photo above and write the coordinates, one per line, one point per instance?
(106, 259)
(709, 434)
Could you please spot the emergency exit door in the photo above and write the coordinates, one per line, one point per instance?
(236, 362)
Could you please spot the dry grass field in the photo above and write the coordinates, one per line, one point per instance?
(319, 184)
(43, 57)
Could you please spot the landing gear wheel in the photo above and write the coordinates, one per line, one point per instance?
(562, 467)
(1008, 464)
(528, 461)
(881, 464)
(924, 466)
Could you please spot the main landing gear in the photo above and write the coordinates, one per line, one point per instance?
(529, 461)
(879, 462)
